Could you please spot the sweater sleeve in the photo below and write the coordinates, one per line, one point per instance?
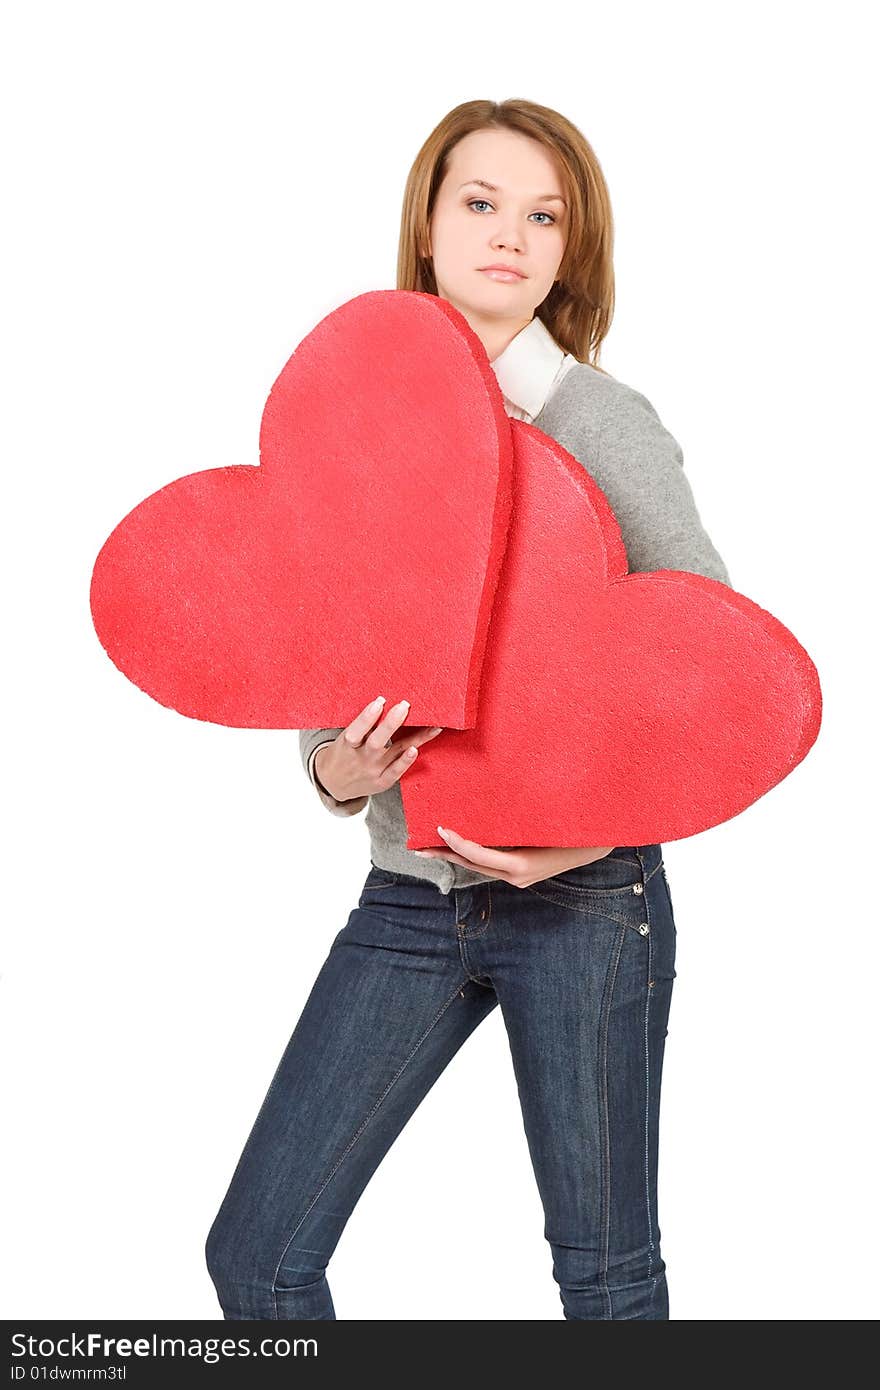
(640, 468)
(310, 742)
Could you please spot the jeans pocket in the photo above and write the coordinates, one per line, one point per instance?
(611, 888)
(378, 878)
(618, 872)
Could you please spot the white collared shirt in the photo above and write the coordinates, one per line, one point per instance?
(529, 370)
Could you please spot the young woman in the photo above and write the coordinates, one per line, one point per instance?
(506, 215)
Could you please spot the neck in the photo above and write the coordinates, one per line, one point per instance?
(494, 334)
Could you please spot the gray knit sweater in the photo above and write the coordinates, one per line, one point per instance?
(616, 433)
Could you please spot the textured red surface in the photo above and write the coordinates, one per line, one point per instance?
(614, 709)
(402, 537)
(360, 558)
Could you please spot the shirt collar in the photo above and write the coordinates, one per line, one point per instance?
(527, 367)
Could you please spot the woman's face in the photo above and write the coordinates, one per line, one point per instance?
(522, 221)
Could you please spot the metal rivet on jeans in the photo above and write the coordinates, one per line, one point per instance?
(638, 888)
(643, 928)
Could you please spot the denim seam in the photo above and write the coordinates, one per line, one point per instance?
(592, 911)
(648, 994)
(648, 979)
(589, 894)
(480, 931)
(359, 1132)
(622, 1288)
(596, 908)
(626, 888)
(605, 858)
(605, 1127)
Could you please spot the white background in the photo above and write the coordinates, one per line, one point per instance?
(191, 187)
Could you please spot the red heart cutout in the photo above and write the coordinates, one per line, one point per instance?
(361, 555)
(615, 708)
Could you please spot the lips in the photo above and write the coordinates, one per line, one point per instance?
(502, 271)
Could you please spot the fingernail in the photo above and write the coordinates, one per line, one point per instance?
(421, 853)
(442, 831)
(379, 700)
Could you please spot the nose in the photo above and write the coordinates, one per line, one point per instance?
(507, 240)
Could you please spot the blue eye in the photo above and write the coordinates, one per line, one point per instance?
(487, 204)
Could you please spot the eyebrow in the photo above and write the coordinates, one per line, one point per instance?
(493, 188)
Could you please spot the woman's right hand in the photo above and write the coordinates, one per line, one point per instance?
(357, 763)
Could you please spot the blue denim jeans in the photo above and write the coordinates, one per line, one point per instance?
(582, 965)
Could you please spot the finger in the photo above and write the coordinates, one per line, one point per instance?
(422, 735)
(480, 855)
(412, 738)
(418, 735)
(397, 766)
(457, 859)
(394, 717)
(362, 723)
(476, 868)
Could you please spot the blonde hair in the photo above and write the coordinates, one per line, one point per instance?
(579, 308)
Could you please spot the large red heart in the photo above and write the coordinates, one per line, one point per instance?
(360, 557)
(615, 708)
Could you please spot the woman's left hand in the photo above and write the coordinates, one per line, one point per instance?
(521, 867)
